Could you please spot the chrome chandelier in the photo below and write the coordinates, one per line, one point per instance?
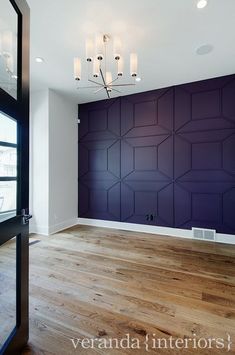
(98, 62)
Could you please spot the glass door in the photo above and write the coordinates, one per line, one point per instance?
(8, 209)
(14, 174)
(8, 167)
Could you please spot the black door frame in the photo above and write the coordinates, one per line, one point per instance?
(19, 110)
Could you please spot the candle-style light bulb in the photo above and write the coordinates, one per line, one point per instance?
(117, 48)
(89, 50)
(99, 47)
(120, 65)
(108, 80)
(133, 64)
(77, 69)
(96, 68)
(108, 77)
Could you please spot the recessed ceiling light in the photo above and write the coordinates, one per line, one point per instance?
(205, 49)
(138, 79)
(39, 60)
(201, 4)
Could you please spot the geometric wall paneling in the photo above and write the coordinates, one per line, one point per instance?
(141, 198)
(206, 105)
(97, 160)
(165, 157)
(207, 124)
(199, 106)
(83, 160)
(99, 200)
(182, 157)
(100, 120)
(114, 123)
(182, 114)
(127, 116)
(204, 149)
(99, 152)
(229, 154)
(168, 153)
(165, 215)
(166, 110)
(203, 204)
(147, 158)
(83, 195)
(203, 155)
(228, 102)
(147, 114)
(182, 206)
(228, 212)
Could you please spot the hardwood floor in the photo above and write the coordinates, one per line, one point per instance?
(100, 283)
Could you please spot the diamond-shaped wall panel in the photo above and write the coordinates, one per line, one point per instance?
(206, 104)
(147, 114)
(99, 120)
(141, 199)
(99, 200)
(147, 158)
(211, 153)
(201, 156)
(200, 106)
(204, 205)
(97, 159)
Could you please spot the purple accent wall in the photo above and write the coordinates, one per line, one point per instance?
(166, 155)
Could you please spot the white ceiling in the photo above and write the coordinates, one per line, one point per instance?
(164, 33)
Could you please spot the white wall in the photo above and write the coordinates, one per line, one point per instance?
(63, 162)
(54, 159)
(39, 161)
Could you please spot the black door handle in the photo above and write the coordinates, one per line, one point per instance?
(25, 217)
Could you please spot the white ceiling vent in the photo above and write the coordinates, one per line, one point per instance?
(204, 234)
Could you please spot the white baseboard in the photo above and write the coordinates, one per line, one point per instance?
(38, 229)
(166, 231)
(47, 230)
(63, 225)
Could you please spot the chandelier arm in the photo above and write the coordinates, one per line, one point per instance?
(95, 92)
(89, 87)
(112, 81)
(124, 85)
(116, 90)
(105, 85)
(102, 76)
(108, 94)
(95, 82)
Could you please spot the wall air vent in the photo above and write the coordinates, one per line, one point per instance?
(204, 234)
